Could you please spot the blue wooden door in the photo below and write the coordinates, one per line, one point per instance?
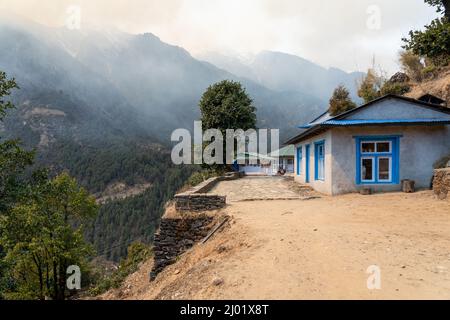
(307, 153)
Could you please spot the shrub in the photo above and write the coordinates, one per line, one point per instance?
(412, 65)
(198, 177)
(137, 253)
(395, 88)
(430, 72)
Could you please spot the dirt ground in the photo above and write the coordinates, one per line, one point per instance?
(314, 249)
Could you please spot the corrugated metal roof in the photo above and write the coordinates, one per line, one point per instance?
(383, 121)
(317, 126)
(288, 151)
(248, 155)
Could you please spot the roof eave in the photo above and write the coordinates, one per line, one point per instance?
(324, 127)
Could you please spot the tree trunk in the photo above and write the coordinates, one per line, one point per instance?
(41, 277)
(62, 279)
(55, 281)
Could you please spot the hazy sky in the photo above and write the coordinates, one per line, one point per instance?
(345, 33)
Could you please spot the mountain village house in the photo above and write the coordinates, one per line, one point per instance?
(266, 165)
(286, 158)
(374, 146)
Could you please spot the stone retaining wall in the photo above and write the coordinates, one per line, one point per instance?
(199, 202)
(198, 199)
(441, 183)
(176, 236)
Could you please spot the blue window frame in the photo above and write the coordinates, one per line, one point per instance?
(377, 159)
(307, 159)
(299, 160)
(319, 159)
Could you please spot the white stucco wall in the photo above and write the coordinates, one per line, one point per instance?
(420, 147)
(321, 186)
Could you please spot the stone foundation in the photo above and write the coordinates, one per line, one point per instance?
(441, 183)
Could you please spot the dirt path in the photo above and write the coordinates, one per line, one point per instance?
(322, 248)
(317, 249)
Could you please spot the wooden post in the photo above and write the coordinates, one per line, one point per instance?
(408, 186)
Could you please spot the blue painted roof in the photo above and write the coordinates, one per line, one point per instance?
(325, 120)
(383, 121)
(344, 123)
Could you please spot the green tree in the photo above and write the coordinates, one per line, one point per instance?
(433, 42)
(44, 236)
(6, 86)
(374, 86)
(13, 163)
(341, 102)
(370, 87)
(226, 105)
(13, 159)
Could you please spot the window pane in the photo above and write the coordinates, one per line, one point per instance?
(320, 173)
(384, 168)
(368, 147)
(367, 169)
(383, 147)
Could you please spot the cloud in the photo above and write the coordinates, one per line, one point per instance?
(329, 32)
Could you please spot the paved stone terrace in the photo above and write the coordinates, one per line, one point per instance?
(262, 188)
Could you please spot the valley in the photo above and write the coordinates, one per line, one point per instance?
(101, 104)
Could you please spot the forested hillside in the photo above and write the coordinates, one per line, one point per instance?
(101, 104)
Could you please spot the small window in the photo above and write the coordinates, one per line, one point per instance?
(367, 169)
(368, 147)
(378, 161)
(384, 169)
(384, 147)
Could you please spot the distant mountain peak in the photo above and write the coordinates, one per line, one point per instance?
(286, 72)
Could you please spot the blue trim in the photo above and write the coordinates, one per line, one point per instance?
(378, 137)
(317, 157)
(319, 142)
(299, 160)
(384, 121)
(307, 167)
(394, 155)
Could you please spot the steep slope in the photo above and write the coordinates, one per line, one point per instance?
(438, 86)
(102, 104)
(50, 78)
(280, 250)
